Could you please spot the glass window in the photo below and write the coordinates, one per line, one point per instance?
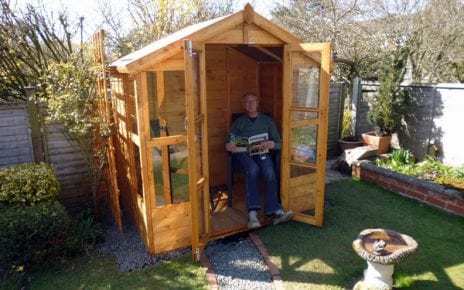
(170, 170)
(303, 144)
(306, 87)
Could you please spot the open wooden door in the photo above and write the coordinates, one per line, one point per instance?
(304, 130)
(197, 145)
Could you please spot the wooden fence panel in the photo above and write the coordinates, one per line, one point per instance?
(16, 148)
(15, 144)
(336, 100)
(71, 168)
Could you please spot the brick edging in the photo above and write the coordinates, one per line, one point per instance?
(275, 274)
(210, 274)
(430, 193)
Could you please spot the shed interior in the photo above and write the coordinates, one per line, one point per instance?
(231, 71)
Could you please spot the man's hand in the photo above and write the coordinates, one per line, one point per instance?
(268, 144)
(231, 147)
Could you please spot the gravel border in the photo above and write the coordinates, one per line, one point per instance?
(129, 250)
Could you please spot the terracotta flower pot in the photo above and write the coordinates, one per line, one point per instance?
(381, 142)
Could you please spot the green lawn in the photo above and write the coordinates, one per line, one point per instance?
(308, 257)
(102, 273)
(322, 258)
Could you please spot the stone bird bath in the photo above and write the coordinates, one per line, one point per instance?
(381, 248)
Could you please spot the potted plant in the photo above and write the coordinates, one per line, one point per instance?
(348, 140)
(390, 104)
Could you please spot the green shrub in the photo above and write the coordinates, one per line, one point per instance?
(28, 184)
(85, 232)
(28, 235)
(347, 130)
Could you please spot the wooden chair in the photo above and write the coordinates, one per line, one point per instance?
(232, 169)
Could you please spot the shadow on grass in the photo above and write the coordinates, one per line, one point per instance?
(310, 257)
(102, 273)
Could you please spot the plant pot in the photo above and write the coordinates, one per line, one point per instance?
(381, 142)
(348, 144)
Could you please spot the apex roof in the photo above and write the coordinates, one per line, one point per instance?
(170, 45)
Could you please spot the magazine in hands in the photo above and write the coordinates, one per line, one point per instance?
(252, 145)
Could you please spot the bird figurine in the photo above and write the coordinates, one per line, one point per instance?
(379, 246)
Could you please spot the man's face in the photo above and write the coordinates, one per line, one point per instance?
(250, 104)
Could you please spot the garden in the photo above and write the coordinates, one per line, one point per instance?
(430, 169)
(44, 245)
(308, 257)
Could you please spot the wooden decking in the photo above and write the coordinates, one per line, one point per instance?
(231, 220)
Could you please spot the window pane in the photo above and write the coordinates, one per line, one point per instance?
(170, 169)
(303, 144)
(166, 98)
(304, 115)
(306, 87)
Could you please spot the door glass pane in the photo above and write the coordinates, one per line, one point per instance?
(179, 173)
(303, 144)
(305, 87)
(138, 170)
(170, 169)
(158, 177)
(166, 103)
(304, 115)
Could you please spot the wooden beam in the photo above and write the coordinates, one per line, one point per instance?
(248, 13)
(146, 160)
(287, 98)
(165, 158)
(176, 46)
(246, 31)
(271, 54)
(324, 88)
(168, 140)
(204, 143)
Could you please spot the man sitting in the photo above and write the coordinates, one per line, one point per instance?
(250, 124)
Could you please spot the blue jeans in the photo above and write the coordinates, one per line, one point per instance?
(254, 167)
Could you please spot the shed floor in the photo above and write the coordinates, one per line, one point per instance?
(230, 220)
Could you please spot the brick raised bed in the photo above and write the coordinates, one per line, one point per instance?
(431, 193)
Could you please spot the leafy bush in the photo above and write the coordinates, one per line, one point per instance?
(85, 232)
(390, 104)
(28, 235)
(28, 184)
(347, 130)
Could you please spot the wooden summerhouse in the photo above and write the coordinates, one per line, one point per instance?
(173, 101)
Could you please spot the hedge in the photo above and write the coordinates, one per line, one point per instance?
(28, 184)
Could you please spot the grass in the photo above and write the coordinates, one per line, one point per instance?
(322, 258)
(102, 273)
(308, 257)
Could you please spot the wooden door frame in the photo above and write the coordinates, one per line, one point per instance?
(199, 240)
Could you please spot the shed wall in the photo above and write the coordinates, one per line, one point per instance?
(229, 75)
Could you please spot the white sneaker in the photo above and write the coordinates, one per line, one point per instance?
(253, 222)
(282, 216)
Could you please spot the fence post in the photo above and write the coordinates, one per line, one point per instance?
(36, 134)
(355, 98)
